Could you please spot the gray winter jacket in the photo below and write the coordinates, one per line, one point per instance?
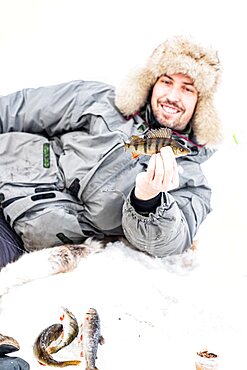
(64, 173)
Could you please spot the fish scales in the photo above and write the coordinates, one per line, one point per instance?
(155, 144)
(90, 338)
(45, 338)
(70, 331)
(55, 337)
(153, 141)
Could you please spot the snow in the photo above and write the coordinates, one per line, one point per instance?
(155, 313)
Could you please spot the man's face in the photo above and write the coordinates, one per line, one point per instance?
(173, 100)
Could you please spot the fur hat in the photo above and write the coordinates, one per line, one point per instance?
(178, 55)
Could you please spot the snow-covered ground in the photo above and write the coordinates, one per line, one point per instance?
(154, 313)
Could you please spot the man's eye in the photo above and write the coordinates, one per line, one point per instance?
(188, 89)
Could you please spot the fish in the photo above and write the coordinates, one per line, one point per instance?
(90, 336)
(153, 141)
(54, 338)
(46, 337)
(70, 331)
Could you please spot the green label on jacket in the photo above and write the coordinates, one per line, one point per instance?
(46, 155)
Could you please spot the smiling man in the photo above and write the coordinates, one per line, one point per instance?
(174, 100)
(68, 176)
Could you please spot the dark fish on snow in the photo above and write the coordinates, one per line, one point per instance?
(153, 141)
(70, 331)
(54, 338)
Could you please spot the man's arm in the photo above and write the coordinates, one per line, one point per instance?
(170, 227)
(50, 110)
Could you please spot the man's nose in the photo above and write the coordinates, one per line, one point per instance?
(174, 94)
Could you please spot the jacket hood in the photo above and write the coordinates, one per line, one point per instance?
(178, 55)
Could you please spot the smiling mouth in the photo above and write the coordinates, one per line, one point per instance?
(170, 109)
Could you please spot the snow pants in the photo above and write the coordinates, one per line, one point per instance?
(11, 246)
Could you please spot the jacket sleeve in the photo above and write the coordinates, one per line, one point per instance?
(171, 229)
(50, 110)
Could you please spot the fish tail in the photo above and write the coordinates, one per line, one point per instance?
(68, 363)
(126, 146)
(53, 363)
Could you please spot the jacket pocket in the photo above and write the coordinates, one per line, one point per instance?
(44, 220)
(27, 159)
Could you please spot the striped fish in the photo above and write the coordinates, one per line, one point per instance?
(70, 331)
(153, 141)
(44, 340)
(54, 338)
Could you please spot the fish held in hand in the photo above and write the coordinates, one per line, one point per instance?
(90, 336)
(44, 340)
(153, 141)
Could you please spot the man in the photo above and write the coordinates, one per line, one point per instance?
(64, 173)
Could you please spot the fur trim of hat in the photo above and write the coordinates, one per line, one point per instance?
(178, 55)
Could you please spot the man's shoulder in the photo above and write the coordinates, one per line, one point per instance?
(200, 154)
(92, 84)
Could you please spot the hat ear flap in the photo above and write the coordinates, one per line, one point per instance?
(132, 94)
(206, 123)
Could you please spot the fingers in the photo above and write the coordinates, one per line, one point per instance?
(162, 170)
(171, 179)
(175, 177)
(161, 175)
(151, 168)
(168, 160)
(155, 170)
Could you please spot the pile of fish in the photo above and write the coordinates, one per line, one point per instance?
(57, 336)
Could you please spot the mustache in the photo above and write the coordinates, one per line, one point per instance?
(172, 104)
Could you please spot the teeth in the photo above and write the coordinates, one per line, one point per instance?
(170, 110)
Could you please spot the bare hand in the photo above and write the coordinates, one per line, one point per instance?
(161, 175)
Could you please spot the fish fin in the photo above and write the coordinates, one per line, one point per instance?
(135, 155)
(135, 138)
(41, 363)
(163, 133)
(101, 340)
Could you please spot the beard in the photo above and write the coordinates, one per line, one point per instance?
(176, 121)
